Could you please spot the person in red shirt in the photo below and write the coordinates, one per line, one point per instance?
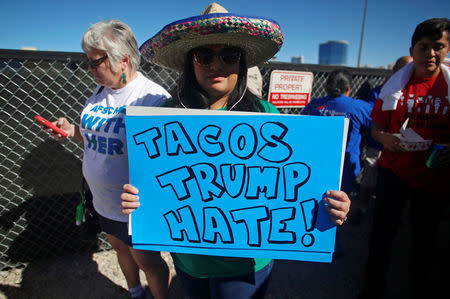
(418, 94)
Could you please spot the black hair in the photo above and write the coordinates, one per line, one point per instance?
(337, 83)
(365, 89)
(192, 95)
(432, 28)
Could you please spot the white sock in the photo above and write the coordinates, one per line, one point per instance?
(136, 292)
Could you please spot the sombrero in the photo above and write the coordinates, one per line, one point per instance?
(259, 37)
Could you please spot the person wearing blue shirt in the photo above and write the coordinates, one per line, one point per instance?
(338, 103)
(373, 95)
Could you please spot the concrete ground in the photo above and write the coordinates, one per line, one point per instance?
(97, 275)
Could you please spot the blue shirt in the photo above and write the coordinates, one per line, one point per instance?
(373, 95)
(358, 112)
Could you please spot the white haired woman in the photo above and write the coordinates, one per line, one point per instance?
(113, 58)
(213, 51)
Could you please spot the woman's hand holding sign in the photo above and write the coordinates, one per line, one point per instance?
(337, 205)
(130, 199)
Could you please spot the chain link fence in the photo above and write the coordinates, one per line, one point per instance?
(41, 178)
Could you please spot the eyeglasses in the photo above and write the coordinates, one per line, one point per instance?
(93, 64)
(206, 56)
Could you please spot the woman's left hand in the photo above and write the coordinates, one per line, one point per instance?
(337, 205)
(130, 199)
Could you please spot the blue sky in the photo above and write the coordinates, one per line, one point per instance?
(59, 25)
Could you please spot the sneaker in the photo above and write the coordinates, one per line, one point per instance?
(145, 295)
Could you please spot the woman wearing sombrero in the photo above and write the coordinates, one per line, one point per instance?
(213, 52)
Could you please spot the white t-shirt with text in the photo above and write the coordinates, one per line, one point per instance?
(102, 125)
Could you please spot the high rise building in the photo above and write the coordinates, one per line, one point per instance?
(298, 59)
(333, 52)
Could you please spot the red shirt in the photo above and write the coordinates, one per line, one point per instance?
(425, 103)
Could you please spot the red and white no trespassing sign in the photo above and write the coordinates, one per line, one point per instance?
(290, 89)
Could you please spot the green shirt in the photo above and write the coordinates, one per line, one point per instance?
(203, 266)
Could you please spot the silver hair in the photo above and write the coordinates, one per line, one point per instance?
(116, 39)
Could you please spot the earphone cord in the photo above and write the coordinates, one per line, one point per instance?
(178, 93)
(179, 99)
(242, 96)
(184, 106)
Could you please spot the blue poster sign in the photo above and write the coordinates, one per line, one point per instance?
(234, 184)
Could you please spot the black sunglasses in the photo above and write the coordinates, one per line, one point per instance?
(206, 56)
(93, 64)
